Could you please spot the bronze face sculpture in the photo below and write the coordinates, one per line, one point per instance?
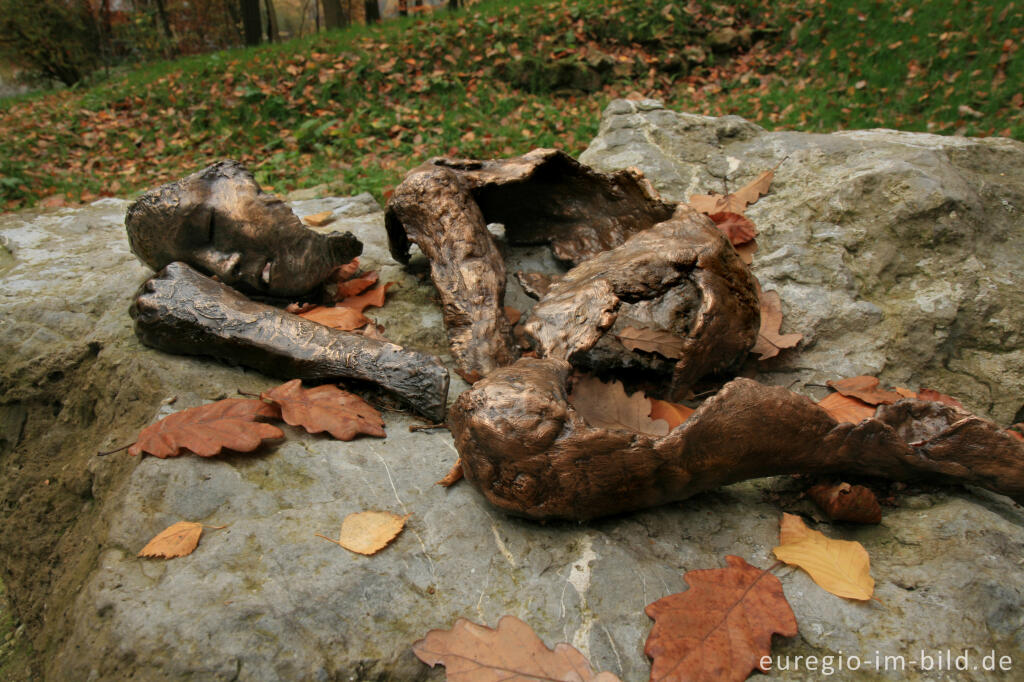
(220, 222)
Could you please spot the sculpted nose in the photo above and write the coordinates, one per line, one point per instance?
(223, 265)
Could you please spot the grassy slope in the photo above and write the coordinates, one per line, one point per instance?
(359, 107)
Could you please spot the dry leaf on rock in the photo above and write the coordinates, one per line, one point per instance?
(845, 502)
(736, 202)
(672, 413)
(719, 628)
(769, 340)
(345, 319)
(454, 475)
(356, 285)
(319, 219)
(844, 409)
(374, 297)
(345, 272)
(936, 397)
(206, 430)
(1017, 431)
(866, 389)
(512, 652)
(326, 408)
(607, 406)
(737, 227)
(513, 315)
(176, 540)
(658, 341)
(369, 532)
(838, 566)
(747, 251)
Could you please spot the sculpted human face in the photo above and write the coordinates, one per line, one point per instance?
(220, 222)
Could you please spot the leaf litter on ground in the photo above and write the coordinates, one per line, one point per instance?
(841, 567)
(326, 408)
(178, 539)
(207, 430)
(368, 532)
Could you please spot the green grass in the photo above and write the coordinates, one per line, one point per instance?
(359, 107)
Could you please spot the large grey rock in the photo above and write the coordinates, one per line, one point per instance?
(895, 254)
(264, 599)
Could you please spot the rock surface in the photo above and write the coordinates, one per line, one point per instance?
(264, 599)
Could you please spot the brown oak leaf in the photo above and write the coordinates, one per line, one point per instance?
(608, 406)
(454, 475)
(345, 272)
(179, 539)
(337, 317)
(356, 285)
(866, 389)
(936, 397)
(845, 502)
(326, 408)
(737, 227)
(736, 202)
(206, 430)
(845, 409)
(769, 340)
(747, 251)
(374, 297)
(657, 341)
(721, 627)
(511, 652)
(513, 315)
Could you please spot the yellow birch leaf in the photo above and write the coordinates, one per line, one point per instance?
(177, 540)
(369, 532)
(838, 566)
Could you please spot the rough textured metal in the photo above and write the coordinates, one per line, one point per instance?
(219, 221)
(529, 452)
(181, 311)
(445, 205)
(680, 276)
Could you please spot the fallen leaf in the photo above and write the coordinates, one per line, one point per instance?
(721, 627)
(736, 202)
(866, 389)
(374, 297)
(936, 397)
(345, 319)
(356, 285)
(769, 340)
(737, 227)
(845, 502)
(344, 272)
(838, 566)
(319, 219)
(176, 540)
(454, 475)
(206, 430)
(746, 251)
(326, 408)
(369, 532)
(513, 315)
(673, 414)
(511, 652)
(1016, 431)
(904, 392)
(792, 529)
(607, 406)
(299, 308)
(844, 409)
(663, 343)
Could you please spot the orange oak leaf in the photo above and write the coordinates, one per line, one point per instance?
(904, 392)
(866, 389)
(454, 475)
(179, 539)
(345, 272)
(845, 502)
(319, 219)
(769, 340)
(368, 532)
(844, 409)
(356, 285)
(936, 397)
(206, 430)
(736, 202)
(663, 343)
(345, 319)
(838, 566)
(608, 406)
(374, 297)
(737, 227)
(721, 627)
(326, 408)
(672, 413)
(511, 652)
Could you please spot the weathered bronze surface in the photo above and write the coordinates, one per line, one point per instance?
(545, 196)
(680, 276)
(219, 221)
(182, 311)
(531, 454)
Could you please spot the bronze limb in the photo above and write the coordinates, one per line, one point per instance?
(546, 196)
(680, 276)
(219, 221)
(181, 311)
(531, 454)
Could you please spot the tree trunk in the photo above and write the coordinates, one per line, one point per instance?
(372, 11)
(333, 16)
(161, 13)
(272, 33)
(356, 11)
(453, 5)
(251, 21)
